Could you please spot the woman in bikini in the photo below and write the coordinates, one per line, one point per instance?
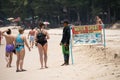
(42, 44)
(20, 49)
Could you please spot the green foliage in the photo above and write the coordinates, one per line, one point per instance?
(49, 9)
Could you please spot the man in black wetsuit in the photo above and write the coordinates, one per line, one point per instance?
(65, 42)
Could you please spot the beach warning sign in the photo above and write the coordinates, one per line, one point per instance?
(87, 35)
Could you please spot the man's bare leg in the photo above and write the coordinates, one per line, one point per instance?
(32, 44)
(10, 59)
(7, 59)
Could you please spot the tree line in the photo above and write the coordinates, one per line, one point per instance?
(76, 11)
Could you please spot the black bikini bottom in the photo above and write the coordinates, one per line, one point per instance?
(42, 43)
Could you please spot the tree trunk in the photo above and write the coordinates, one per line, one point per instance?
(78, 17)
(109, 15)
(114, 17)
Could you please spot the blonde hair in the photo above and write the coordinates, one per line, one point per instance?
(20, 30)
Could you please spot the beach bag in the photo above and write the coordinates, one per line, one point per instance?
(40, 37)
(65, 49)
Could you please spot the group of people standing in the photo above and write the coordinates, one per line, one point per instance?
(16, 44)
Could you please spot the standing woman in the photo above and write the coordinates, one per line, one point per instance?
(42, 44)
(20, 49)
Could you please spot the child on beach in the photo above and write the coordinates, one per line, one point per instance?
(31, 36)
(9, 46)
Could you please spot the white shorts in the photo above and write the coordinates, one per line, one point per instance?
(32, 39)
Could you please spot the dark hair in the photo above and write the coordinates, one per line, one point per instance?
(66, 22)
(41, 24)
(32, 28)
(9, 31)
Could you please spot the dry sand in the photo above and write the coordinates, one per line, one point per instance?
(90, 62)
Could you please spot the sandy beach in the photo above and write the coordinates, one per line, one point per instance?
(90, 62)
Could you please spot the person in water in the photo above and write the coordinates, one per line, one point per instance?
(9, 46)
(20, 49)
(31, 36)
(42, 44)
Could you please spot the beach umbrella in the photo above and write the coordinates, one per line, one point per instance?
(17, 19)
(10, 18)
(46, 23)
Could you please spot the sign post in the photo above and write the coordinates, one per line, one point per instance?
(104, 35)
(70, 46)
